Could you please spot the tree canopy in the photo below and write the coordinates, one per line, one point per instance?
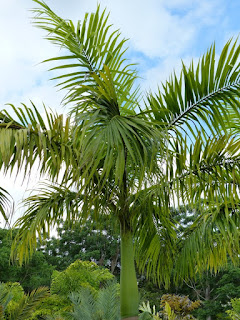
(133, 156)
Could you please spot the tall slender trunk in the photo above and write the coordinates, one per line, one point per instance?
(208, 297)
(129, 298)
(128, 281)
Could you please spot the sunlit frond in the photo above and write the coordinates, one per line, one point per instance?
(96, 50)
(203, 94)
(26, 139)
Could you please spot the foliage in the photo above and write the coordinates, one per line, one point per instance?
(28, 304)
(5, 298)
(115, 154)
(149, 291)
(15, 305)
(6, 204)
(182, 306)
(98, 242)
(51, 306)
(174, 307)
(36, 273)
(16, 292)
(167, 313)
(216, 291)
(147, 313)
(105, 305)
(234, 314)
(79, 274)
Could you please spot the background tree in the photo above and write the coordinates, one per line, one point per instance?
(79, 274)
(36, 273)
(132, 160)
(69, 287)
(98, 242)
(215, 291)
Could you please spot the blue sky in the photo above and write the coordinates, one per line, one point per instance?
(161, 34)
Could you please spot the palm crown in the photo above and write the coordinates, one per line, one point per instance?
(129, 157)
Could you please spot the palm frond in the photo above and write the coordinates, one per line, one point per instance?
(208, 242)
(6, 205)
(108, 302)
(30, 139)
(203, 94)
(83, 305)
(205, 175)
(93, 47)
(5, 298)
(104, 306)
(28, 304)
(208, 169)
(155, 242)
(43, 210)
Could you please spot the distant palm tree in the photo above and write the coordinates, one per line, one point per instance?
(133, 159)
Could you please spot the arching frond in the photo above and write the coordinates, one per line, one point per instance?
(202, 95)
(155, 242)
(26, 139)
(164, 254)
(208, 242)
(6, 204)
(44, 210)
(93, 46)
(28, 304)
(206, 175)
(208, 169)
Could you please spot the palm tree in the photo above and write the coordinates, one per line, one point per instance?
(117, 154)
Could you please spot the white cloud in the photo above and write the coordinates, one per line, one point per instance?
(156, 28)
(153, 77)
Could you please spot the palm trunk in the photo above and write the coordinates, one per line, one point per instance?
(208, 297)
(128, 281)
